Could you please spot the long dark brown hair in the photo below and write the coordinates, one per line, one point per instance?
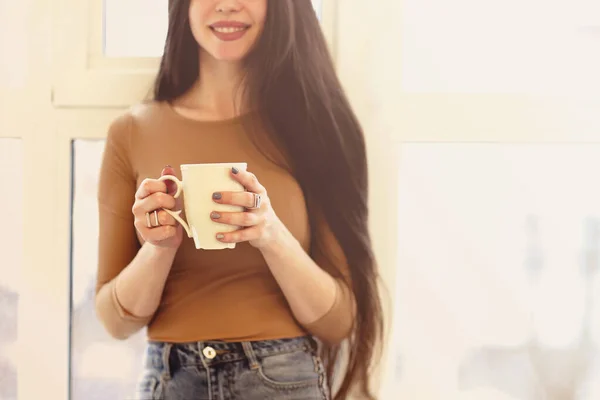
(291, 80)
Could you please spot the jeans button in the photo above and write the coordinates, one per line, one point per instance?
(209, 352)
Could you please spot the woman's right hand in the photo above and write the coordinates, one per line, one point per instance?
(155, 195)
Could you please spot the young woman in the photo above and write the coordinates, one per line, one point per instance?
(249, 81)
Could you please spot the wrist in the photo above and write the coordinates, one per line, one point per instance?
(281, 242)
(161, 252)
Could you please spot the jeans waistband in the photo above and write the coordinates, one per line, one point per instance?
(168, 356)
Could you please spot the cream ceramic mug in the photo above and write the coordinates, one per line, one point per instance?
(199, 182)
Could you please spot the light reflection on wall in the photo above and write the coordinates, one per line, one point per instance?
(499, 266)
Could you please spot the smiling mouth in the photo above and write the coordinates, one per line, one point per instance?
(229, 29)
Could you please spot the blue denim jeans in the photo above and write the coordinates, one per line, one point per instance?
(287, 369)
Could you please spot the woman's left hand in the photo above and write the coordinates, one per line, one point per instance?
(259, 226)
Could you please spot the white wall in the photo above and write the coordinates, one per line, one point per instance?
(456, 108)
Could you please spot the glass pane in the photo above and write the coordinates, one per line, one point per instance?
(11, 248)
(498, 281)
(465, 46)
(135, 28)
(318, 5)
(101, 367)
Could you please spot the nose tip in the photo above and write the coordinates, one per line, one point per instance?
(228, 6)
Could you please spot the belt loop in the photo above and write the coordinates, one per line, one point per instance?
(315, 345)
(250, 354)
(199, 346)
(166, 359)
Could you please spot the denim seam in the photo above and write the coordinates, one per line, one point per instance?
(319, 367)
(157, 390)
(284, 385)
(166, 355)
(207, 370)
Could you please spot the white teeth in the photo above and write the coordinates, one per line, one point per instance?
(228, 29)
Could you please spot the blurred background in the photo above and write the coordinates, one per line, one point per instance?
(482, 122)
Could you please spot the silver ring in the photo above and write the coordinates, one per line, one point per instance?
(156, 221)
(257, 201)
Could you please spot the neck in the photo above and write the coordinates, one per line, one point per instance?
(217, 90)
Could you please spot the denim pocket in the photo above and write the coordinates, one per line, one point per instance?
(149, 388)
(290, 370)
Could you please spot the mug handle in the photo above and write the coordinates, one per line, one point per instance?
(175, 214)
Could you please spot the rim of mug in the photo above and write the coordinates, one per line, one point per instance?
(186, 166)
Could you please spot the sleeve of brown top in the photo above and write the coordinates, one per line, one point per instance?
(337, 323)
(118, 244)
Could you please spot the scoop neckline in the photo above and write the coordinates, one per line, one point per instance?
(213, 122)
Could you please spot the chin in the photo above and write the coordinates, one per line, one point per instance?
(229, 56)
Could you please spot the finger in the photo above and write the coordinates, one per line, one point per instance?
(165, 219)
(153, 202)
(171, 186)
(148, 187)
(244, 199)
(242, 235)
(236, 219)
(248, 180)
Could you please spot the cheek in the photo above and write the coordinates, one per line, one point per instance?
(197, 20)
(260, 13)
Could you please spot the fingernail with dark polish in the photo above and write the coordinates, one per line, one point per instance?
(220, 236)
(215, 215)
(217, 196)
(234, 170)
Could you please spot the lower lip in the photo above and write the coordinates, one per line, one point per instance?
(228, 37)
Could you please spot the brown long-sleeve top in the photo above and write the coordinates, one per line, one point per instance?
(227, 295)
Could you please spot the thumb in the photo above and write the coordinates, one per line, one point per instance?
(171, 186)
